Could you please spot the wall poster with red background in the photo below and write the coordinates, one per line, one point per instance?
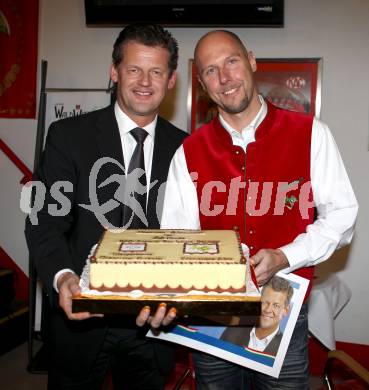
(291, 83)
(18, 53)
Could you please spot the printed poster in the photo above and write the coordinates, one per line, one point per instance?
(236, 343)
(18, 52)
(60, 105)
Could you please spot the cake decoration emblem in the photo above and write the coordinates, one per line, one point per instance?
(201, 248)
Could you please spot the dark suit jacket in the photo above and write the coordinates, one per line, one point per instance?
(57, 242)
(240, 335)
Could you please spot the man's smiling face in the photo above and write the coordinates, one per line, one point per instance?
(273, 308)
(226, 72)
(143, 78)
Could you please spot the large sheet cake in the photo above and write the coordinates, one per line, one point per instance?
(168, 261)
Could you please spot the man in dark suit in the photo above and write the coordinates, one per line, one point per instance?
(266, 335)
(82, 346)
(241, 336)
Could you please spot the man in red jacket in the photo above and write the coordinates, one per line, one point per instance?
(262, 170)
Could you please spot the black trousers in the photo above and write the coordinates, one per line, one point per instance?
(131, 358)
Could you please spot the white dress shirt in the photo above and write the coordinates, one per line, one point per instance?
(125, 125)
(260, 344)
(333, 195)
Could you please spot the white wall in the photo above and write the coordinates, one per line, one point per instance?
(337, 30)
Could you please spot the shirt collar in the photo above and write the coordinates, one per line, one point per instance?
(265, 340)
(251, 127)
(126, 124)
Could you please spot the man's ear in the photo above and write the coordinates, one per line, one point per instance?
(252, 61)
(201, 83)
(286, 310)
(172, 80)
(113, 73)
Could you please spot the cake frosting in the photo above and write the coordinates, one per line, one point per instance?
(168, 261)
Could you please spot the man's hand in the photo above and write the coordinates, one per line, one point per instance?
(68, 286)
(161, 317)
(268, 262)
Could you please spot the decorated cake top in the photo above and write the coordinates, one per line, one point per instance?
(169, 246)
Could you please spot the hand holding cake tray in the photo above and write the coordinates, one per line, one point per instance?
(198, 272)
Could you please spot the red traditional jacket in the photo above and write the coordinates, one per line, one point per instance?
(265, 193)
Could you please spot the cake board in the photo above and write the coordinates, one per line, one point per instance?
(186, 305)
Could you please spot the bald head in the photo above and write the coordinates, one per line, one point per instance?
(215, 35)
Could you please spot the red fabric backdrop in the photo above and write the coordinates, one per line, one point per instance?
(18, 58)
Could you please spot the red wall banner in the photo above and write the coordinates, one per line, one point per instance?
(18, 58)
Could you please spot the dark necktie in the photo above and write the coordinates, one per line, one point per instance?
(137, 161)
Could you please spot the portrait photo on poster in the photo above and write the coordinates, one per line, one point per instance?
(260, 344)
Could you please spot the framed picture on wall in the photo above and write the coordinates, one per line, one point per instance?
(290, 83)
